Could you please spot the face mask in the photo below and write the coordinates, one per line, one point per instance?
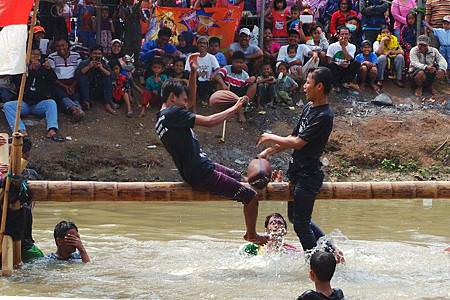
(351, 27)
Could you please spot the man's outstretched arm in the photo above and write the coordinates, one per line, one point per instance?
(218, 118)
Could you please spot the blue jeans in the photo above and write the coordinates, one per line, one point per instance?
(45, 108)
(102, 91)
(67, 101)
(300, 210)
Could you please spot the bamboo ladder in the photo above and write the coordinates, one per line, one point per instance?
(11, 250)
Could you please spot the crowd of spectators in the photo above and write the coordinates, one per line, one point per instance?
(365, 43)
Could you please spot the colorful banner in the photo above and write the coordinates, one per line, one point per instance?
(219, 22)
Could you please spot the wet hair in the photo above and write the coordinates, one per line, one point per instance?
(323, 264)
(165, 31)
(238, 55)
(95, 47)
(214, 40)
(323, 75)
(62, 228)
(292, 47)
(340, 28)
(266, 222)
(173, 86)
(276, 1)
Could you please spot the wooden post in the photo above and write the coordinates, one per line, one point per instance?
(7, 255)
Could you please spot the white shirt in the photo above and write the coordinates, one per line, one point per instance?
(302, 51)
(337, 55)
(206, 66)
(64, 69)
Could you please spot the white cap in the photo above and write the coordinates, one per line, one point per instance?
(245, 31)
(446, 18)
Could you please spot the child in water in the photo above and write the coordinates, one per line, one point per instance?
(68, 243)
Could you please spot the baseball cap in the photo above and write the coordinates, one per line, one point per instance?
(446, 18)
(116, 41)
(38, 28)
(366, 42)
(245, 31)
(423, 40)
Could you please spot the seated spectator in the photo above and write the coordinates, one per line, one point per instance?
(39, 40)
(339, 17)
(214, 49)
(373, 17)
(285, 85)
(323, 265)
(265, 93)
(94, 79)
(390, 56)
(64, 63)
(121, 86)
(277, 16)
(297, 67)
(116, 52)
(37, 99)
(107, 30)
(178, 71)
(153, 86)
(185, 44)
(270, 48)
(318, 43)
(443, 35)
(234, 78)
(368, 70)
(7, 88)
(207, 66)
(159, 47)
(427, 64)
(354, 25)
(253, 54)
(341, 62)
(68, 243)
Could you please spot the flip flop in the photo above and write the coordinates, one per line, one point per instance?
(58, 139)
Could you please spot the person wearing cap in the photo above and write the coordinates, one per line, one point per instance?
(39, 40)
(443, 35)
(207, 67)
(368, 70)
(116, 51)
(253, 54)
(160, 47)
(435, 11)
(427, 64)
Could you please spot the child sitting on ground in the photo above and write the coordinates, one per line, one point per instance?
(265, 93)
(153, 86)
(285, 85)
(121, 88)
(68, 243)
(323, 265)
(368, 70)
(177, 71)
(214, 49)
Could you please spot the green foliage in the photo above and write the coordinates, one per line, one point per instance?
(395, 165)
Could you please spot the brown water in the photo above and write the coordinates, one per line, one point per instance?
(394, 250)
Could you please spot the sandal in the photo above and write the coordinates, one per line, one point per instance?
(56, 138)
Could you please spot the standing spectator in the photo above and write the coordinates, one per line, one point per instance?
(427, 64)
(253, 54)
(185, 44)
(159, 47)
(408, 33)
(368, 71)
(51, 20)
(214, 49)
(436, 10)
(342, 64)
(85, 23)
(400, 10)
(131, 13)
(207, 66)
(270, 48)
(106, 31)
(64, 63)
(443, 35)
(266, 86)
(294, 17)
(37, 97)
(277, 16)
(285, 86)
(339, 17)
(373, 17)
(95, 80)
(390, 56)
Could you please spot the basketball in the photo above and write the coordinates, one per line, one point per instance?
(259, 172)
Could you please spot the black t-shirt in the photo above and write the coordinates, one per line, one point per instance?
(39, 85)
(174, 128)
(315, 126)
(337, 294)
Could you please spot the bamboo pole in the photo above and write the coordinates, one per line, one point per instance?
(14, 159)
(86, 191)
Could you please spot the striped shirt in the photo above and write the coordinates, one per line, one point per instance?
(436, 10)
(233, 79)
(64, 68)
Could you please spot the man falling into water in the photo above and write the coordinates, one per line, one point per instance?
(174, 128)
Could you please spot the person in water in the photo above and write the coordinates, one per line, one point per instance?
(68, 243)
(323, 265)
(308, 141)
(174, 127)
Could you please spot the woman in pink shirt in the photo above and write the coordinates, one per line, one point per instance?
(399, 10)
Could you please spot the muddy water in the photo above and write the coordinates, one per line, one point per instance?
(394, 250)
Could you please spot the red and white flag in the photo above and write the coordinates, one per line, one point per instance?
(13, 37)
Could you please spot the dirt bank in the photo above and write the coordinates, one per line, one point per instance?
(401, 142)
